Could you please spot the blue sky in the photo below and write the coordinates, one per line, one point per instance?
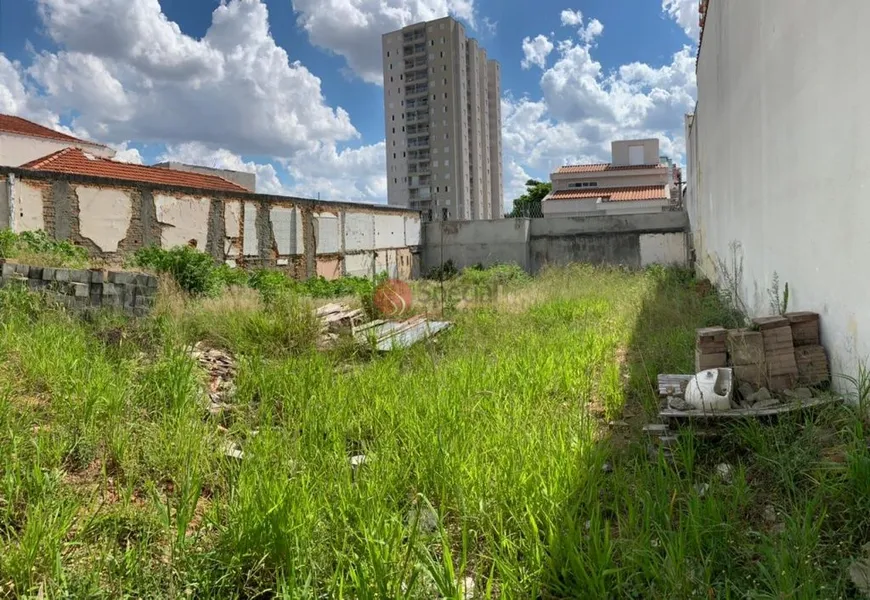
(291, 89)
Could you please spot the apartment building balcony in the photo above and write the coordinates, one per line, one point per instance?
(413, 36)
(417, 155)
(417, 76)
(417, 89)
(417, 103)
(420, 142)
(418, 129)
(413, 50)
(419, 168)
(412, 63)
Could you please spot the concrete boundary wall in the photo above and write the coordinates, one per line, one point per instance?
(631, 240)
(83, 289)
(304, 237)
(778, 165)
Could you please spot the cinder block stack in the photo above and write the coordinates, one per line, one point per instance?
(710, 348)
(812, 362)
(746, 351)
(782, 370)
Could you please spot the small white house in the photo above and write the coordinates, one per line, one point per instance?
(22, 141)
(635, 182)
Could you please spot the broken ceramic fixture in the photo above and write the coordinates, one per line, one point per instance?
(710, 390)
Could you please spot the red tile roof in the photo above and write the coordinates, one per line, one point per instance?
(602, 167)
(73, 160)
(623, 194)
(13, 124)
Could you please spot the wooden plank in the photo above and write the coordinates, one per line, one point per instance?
(741, 413)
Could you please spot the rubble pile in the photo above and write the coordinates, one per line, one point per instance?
(220, 366)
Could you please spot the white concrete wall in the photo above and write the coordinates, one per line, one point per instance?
(16, 150)
(28, 207)
(104, 215)
(663, 249)
(182, 219)
(781, 161)
(389, 231)
(358, 264)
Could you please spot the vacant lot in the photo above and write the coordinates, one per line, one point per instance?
(502, 460)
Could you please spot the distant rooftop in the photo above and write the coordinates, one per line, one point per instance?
(602, 167)
(13, 124)
(624, 194)
(77, 162)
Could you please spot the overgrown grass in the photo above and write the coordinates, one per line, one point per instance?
(485, 455)
(38, 248)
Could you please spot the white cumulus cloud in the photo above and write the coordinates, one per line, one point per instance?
(685, 13)
(536, 51)
(353, 28)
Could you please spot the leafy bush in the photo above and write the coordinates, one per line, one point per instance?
(43, 248)
(443, 272)
(271, 283)
(196, 272)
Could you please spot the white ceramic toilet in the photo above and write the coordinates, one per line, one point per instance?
(710, 390)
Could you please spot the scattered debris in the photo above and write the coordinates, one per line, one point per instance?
(762, 404)
(759, 396)
(384, 335)
(607, 468)
(725, 472)
(769, 514)
(233, 450)
(357, 460)
(701, 489)
(798, 394)
(466, 588)
(220, 366)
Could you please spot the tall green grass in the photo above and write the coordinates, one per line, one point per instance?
(489, 460)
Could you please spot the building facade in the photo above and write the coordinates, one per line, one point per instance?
(22, 141)
(636, 181)
(443, 123)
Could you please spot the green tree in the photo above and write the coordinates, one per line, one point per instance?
(529, 204)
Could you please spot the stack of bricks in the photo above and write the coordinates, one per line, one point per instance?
(746, 353)
(710, 348)
(812, 362)
(782, 370)
(82, 289)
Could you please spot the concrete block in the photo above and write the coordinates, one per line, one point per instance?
(61, 275)
(35, 272)
(80, 276)
(23, 270)
(98, 276)
(110, 289)
(35, 285)
(121, 277)
(81, 290)
(48, 273)
(8, 270)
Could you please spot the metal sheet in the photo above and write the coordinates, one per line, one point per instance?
(410, 336)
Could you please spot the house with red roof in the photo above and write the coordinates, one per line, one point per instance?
(22, 141)
(636, 181)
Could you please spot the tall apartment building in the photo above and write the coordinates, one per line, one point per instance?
(442, 102)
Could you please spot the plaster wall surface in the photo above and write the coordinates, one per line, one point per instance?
(104, 215)
(328, 233)
(389, 231)
(287, 229)
(359, 231)
(182, 219)
(778, 161)
(663, 249)
(28, 207)
(251, 246)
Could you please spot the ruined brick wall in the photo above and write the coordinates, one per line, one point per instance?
(82, 289)
(305, 238)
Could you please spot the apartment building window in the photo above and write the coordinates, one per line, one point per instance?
(445, 214)
(446, 188)
(388, 53)
(446, 136)
(401, 77)
(442, 39)
(442, 55)
(394, 130)
(393, 117)
(435, 164)
(391, 77)
(403, 154)
(395, 180)
(445, 81)
(446, 150)
(446, 163)
(394, 155)
(437, 189)
(403, 128)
